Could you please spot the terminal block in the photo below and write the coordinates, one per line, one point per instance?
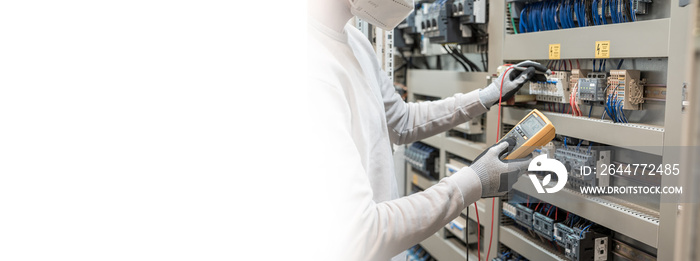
(561, 231)
(581, 164)
(423, 158)
(555, 89)
(509, 210)
(523, 216)
(591, 89)
(577, 74)
(587, 245)
(543, 225)
(626, 86)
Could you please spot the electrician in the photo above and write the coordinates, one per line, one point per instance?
(358, 106)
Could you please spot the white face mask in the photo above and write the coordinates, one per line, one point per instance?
(385, 14)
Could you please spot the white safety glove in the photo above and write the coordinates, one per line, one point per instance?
(513, 80)
(498, 175)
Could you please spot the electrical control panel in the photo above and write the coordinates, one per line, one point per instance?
(626, 89)
(555, 89)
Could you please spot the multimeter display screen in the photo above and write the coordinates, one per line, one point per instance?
(532, 125)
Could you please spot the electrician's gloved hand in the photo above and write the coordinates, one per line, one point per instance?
(498, 175)
(513, 80)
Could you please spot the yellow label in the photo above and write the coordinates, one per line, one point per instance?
(415, 179)
(554, 51)
(602, 49)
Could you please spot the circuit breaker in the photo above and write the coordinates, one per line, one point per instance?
(555, 89)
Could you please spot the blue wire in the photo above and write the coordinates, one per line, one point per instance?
(613, 11)
(590, 110)
(604, 7)
(584, 229)
(531, 17)
(578, 147)
(564, 15)
(570, 14)
(565, 143)
(593, 65)
(589, 147)
(538, 17)
(618, 8)
(633, 11)
(522, 19)
(562, 20)
(577, 13)
(594, 12)
(543, 14)
(619, 65)
(624, 117)
(604, 63)
(584, 13)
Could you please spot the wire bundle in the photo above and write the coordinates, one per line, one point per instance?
(562, 14)
(613, 107)
(576, 110)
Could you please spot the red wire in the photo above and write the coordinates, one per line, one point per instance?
(528, 201)
(538, 205)
(478, 232)
(498, 136)
(556, 214)
(578, 65)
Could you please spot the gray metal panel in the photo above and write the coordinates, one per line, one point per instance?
(679, 64)
(444, 84)
(463, 148)
(616, 134)
(442, 249)
(627, 40)
(616, 217)
(526, 246)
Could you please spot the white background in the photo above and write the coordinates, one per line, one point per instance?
(154, 130)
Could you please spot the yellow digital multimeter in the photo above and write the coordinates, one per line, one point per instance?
(533, 131)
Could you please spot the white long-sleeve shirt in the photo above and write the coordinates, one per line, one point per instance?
(358, 115)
